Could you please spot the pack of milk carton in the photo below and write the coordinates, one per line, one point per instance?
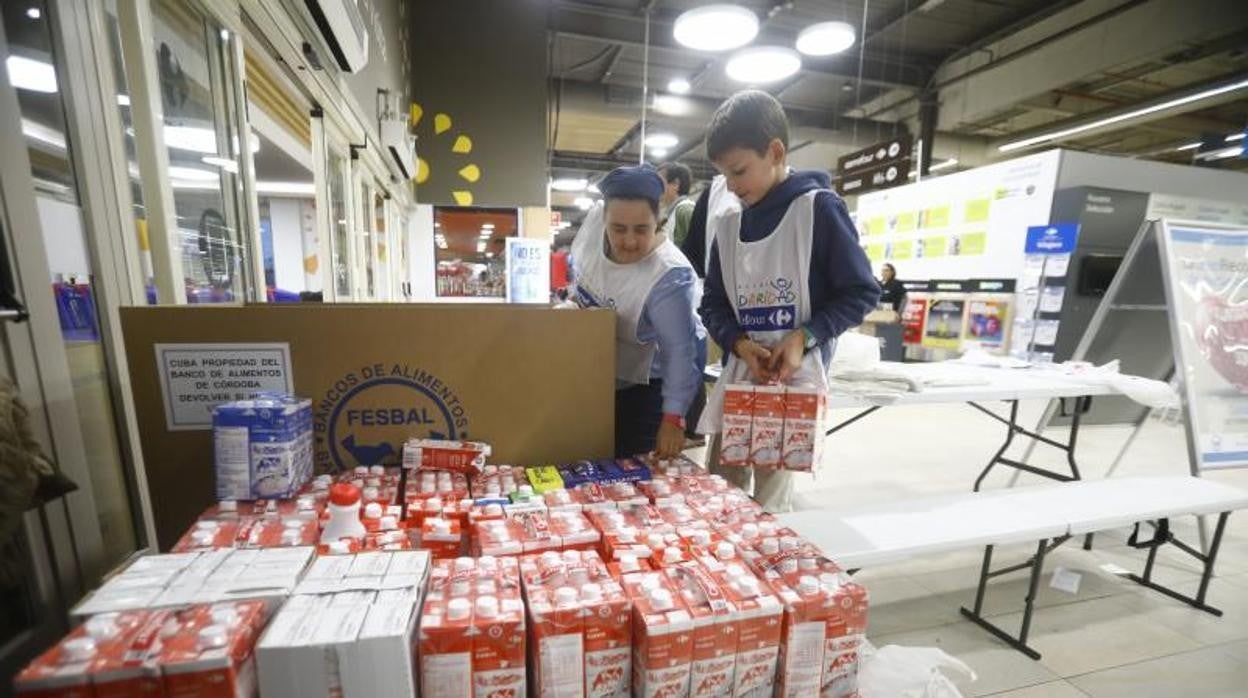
(262, 447)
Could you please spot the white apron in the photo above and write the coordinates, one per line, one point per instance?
(768, 283)
(602, 283)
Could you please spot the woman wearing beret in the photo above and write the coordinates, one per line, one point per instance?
(623, 262)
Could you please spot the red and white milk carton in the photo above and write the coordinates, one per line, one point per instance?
(803, 428)
(736, 437)
(558, 639)
(607, 615)
(62, 671)
(211, 534)
(498, 644)
(825, 618)
(446, 648)
(210, 655)
(767, 429)
(561, 500)
(573, 530)
(497, 537)
(443, 538)
(130, 668)
(461, 456)
(662, 636)
(714, 630)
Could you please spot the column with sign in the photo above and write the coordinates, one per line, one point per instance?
(528, 270)
(1042, 290)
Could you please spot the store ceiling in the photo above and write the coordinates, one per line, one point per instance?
(462, 228)
(963, 53)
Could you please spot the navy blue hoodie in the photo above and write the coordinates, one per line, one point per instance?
(842, 287)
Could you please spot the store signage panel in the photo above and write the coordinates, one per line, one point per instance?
(1059, 238)
(194, 378)
(892, 174)
(1206, 269)
(875, 156)
(528, 270)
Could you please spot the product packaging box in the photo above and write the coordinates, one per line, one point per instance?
(211, 652)
(804, 409)
(662, 636)
(714, 629)
(462, 456)
(544, 478)
(767, 428)
(262, 448)
(738, 422)
(70, 667)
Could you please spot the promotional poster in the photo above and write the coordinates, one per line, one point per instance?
(986, 323)
(912, 317)
(944, 324)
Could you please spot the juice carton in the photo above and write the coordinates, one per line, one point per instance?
(767, 429)
(485, 512)
(498, 647)
(714, 629)
(558, 636)
(544, 478)
(738, 422)
(825, 619)
(608, 644)
(445, 648)
(844, 632)
(803, 433)
(461, 456)
(662, 636)
(443, 538)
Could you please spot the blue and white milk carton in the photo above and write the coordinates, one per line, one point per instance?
(262, 447)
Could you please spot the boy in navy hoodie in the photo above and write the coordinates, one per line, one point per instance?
(786, 275)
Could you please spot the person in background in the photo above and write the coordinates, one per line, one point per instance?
(676, 205)
(785, 275)
(621, 261)
(892, 292)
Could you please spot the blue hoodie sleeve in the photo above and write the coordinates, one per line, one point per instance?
(843, 288)
(716, 310)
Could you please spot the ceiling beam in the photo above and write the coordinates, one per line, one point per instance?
(622, 28)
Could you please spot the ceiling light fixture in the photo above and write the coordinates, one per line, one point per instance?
(826, 38)
(763, 64)
(583, 202)
(30, 74)
(487, 226)
(661, 140)
(716, 28)
(481, 246)
(569, 184)
(1124, 116)
(34, 13)
(658, 153)
(679, 86)
(672, 105)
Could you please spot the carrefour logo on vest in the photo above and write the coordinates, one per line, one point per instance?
(767, 319)
(367, 414)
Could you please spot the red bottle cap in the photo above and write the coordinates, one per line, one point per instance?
(344, 494)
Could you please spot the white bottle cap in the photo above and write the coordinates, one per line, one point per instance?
(746, 586)
(377, 470)
(788, 566)
(565, 596)
(672, 555)
(227, 505)
(464, 564)
(372, 493)
(701, 537)
(293, 524)
(487, 607)
(212, 637)
(433, 504)
(339, 547)
(291, 537)
(830, 580)
(440, 525)
(591, 592)
(809, 563)
(372, 510)
(654, 540)
(207, 525)
(389, 523)
(725, 551)
(487, 563)
(77, 650)
(651, 581)
(660, 599)
(458, 609)
(789, 544)
(735, 570)
(771, 546)
(628, 563)
(305, 504)
(489, 470)
(203, 538)
(807, 585)
(487, 587)
(749, 531)
(102, 626)
(224, 615)
(360, 471)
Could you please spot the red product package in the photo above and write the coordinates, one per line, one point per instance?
(90, 653)
(210, 654)
(497, 537)
(608, 646)
(803, 428)
(498, 647)
(211, 534)
(714, 630)
(131, 668)
(461, 456)
(443, 538)
(593, 497)
(573, 530)
(760, 619)
(738, 422)
(558, 641)
(445, 647)
(275, 533)
(534, 528)
(767, 428)
(662, 636)
(825, 618)
(562, 500)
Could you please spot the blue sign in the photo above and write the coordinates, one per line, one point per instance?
(767, 318)
(1059, 238)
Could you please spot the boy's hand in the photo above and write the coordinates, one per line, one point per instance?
(756, 357)
(786, 357)
(669, 441)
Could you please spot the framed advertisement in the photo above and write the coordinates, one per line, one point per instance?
(943, 329)
(1205, 269)
(912, 318)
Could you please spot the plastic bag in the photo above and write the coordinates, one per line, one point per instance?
(893, 671)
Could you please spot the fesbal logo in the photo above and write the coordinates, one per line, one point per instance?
(364, 417)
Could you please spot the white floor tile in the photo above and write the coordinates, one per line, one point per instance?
(898, 604)
(1053, 689)
(1211, 672)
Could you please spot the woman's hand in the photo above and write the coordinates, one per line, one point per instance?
(756, 357)
(786, 357)
(670, 440)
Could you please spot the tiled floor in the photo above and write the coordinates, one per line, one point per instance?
(1113, 637)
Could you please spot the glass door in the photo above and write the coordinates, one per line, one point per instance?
(381, 237)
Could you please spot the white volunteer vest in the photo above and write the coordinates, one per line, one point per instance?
(768, 284)
(624, 288)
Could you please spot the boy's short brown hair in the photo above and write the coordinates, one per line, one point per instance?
(748, 119)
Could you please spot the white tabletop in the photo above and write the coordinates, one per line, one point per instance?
(900, 530)
(979, 383)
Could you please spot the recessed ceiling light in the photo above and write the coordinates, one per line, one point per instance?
(662, 140)
(487, 225)
(678, 86)
(672, 105)
(569, 184)
(763, 64)
(825, 38)
(658, 153)
(34, 13)
(716, 27)
(30, 74)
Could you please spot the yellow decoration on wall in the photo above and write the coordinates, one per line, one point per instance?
(441, 123)
(422, 171)
(414, 117)
(463, 198)
(463, 144)
(311, 264)
(470, 172)
(140, 225)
